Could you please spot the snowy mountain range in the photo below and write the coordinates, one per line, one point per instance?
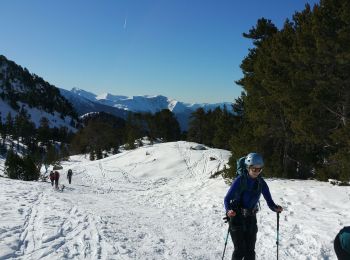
(146, 103)
(84, 105)
(85, 101)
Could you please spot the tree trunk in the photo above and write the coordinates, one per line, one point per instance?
(345, 111)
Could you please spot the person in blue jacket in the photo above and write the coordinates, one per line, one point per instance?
(342, 244)
(241, 204)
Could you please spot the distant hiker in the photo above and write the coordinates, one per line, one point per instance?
(69, 175)
(241, 204)
(342, 244)
(57, 177)
(52, 178)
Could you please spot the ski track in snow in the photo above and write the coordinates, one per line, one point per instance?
(158, 202)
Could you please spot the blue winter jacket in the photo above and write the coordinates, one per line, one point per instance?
(250, 196)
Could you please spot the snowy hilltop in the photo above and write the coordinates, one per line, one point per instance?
(158, 202)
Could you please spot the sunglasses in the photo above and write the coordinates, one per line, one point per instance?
(256, 169)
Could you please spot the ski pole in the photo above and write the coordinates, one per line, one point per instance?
(228, 232)
(278, 230)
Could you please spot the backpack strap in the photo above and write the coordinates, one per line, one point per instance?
(243, 186)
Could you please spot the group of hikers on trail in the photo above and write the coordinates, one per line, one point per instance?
(55, 176)
(241, 205)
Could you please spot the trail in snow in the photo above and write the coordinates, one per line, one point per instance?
(157, 202)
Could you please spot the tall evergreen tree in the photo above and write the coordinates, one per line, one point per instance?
(9, 127)
(225, 126)
(197, 126)
(167, 126)
(44, 134)
(13, 165)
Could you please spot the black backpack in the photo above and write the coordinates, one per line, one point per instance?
(241, 167)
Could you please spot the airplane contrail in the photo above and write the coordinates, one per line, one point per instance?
(125, 23)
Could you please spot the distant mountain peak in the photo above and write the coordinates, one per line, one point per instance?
(149, 104)
(84, 93)
(110, 97)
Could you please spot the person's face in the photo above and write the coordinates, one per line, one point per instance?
(254, 171)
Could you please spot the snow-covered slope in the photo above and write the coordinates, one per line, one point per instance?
(20, 89)
(157, 202)
(55, 119)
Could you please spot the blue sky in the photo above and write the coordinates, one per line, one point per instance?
(189, 50)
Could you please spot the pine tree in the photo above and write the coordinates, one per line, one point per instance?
(13, 165)
(92, 155)
(64, 153)
(225, 126)
(51, 155)
(44, 133)
(9, 124)
(133, 129)
(196, 126)
(166, 126)
(98, 154)
(30, 171)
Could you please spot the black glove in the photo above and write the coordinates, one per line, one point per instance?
(278, 209)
